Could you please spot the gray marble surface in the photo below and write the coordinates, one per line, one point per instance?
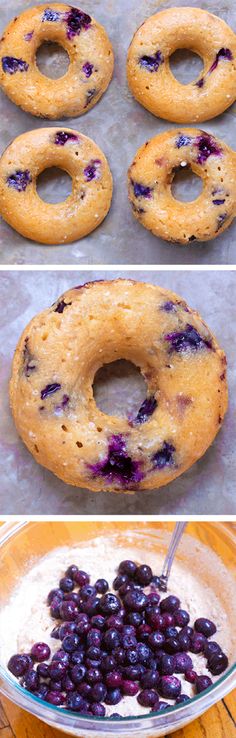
(207, 488)
(119, 125)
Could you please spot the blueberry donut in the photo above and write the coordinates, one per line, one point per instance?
(152, 172)
(148, 65)
(90, 61)
(29, 155)
(53, 370)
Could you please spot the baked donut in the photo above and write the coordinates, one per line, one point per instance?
(53, 370)
(152, 172)
(90, 61)
(33, 152)
(148, 65)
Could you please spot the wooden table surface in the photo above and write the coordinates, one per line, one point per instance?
(218, 722)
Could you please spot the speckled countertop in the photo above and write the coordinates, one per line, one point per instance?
(119, 125)
(207, 488)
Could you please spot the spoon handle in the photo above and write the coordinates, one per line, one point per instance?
(174, 542)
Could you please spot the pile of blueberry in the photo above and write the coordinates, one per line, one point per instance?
(113, 645)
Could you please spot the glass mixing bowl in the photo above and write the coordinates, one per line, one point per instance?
(23, 543)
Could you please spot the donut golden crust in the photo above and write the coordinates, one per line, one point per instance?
(151, 175)
(29, 155)
(148, 67)
(53, 370)
(90, 61)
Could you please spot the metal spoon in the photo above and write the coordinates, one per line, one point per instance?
(174, 542)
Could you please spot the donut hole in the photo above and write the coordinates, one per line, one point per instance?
(186, 66)
(52, 60)
(119, 388)
(186, 186)
(54, 185)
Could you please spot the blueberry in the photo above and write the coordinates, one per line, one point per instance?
(141, 190)
(93, 675)
(207, 146)
(202, 683)
(76, 20)
(119, 581)
(57, 670)
(31, 680)
(109, 604)
(133, 673)
(183, 140)
(55, 607)
(181, 618)
(145, 411)
(167, 665)
(19, 180)
(81, 578)
(98, 622)
(98, 710)
(156, 640)
(62, 656)
(184, 642)
(183, 663)
(86, 690)
(87, 68)
(164, 457)
(150, 679)
(129, 688)
(144, 653)
(205, 626)
(191, 676)
(11, 65)
(60, 309)
(42, 670)
(49, 390)
(67, 684)
(225, 54)
(198, 642)
(210, 648)
(168, 307)
(108, 664)
(18, 664)
(111, 639)
(182, 698)
(169, 687)
(62, 137)
(66, 584)
(135, 601)
(170, 604)
(70, 643)
(55, 697)
(147, 698)
(94, 637)
(98, 692)
(40, 652)
(113, 696)
(50, 15)
(101, 586)
(74, 702)
(144, 575)
(186, 340)
(128, 567)
(92, 170)
(172, 645)
(152, 63)
(68, 610)
(218, 201)
(171, 632)
(217, 663)
(78, 672)
(94, 654)
(144, 631)
(161, 706)
(118, 466)
(87, 591)
(113, 679)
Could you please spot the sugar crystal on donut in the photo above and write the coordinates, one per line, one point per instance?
(11, 65)
(153, 62)
(188, 339)
(118, 466)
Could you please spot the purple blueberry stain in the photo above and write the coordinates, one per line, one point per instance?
(62, 137)
(218, 201)
(29, 361)
(49, 390)
(221, 220)
(118, 466)
(29, 36)
(87, 69)
(151, 63)
(93, 170)
(200, 83)
(61, 306)
(141, 190)
(19, 180)
(168, 307)
(222, 55)
(187, 340)
(76, 20)
(207, 146)
(51, 15)
(59, 409)
(183, 140)
(145, 411)
(11, 65)
(90, 94)
(164, 457)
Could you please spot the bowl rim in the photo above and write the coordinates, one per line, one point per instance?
(31, 702)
